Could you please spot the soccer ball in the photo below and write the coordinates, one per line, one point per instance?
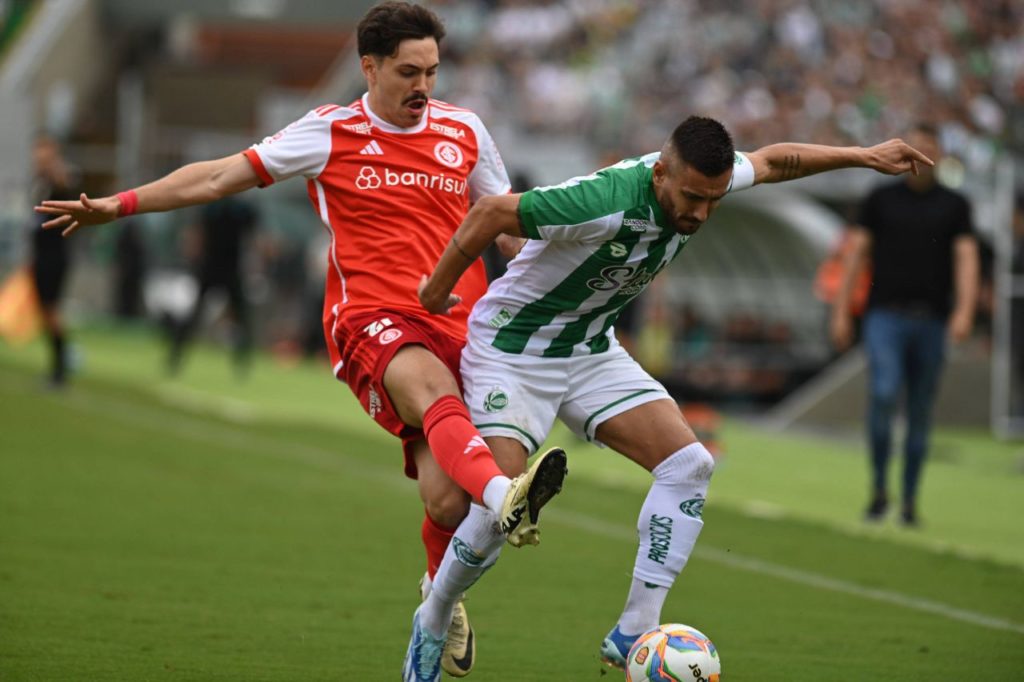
(673, 653)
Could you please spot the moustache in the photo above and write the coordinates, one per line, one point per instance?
(415, 98)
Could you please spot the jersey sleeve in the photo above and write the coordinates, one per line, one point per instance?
(742, 173)
(302, 148)
(588, 208)
(489, 175)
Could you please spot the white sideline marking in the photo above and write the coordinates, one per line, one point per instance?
(615, 531)
(205, 432)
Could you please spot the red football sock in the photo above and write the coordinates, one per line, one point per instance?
(435, 540)
(458, 447)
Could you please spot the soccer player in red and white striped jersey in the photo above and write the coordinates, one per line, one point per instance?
(391, 176)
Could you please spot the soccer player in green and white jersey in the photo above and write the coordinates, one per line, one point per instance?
(541, 345)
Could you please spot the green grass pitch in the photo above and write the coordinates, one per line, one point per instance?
(207, 530)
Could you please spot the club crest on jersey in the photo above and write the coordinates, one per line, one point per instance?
(503, 317)
(496, 400)
(448, 153)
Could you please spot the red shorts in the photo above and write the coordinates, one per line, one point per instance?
(368, 342)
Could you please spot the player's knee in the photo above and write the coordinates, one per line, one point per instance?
(448, 508)
(702, 466)
(693, 464)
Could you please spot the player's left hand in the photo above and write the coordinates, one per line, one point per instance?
(895, 157)
(435, 303)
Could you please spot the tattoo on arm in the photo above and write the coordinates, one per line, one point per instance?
(460, 250)
(791, 167)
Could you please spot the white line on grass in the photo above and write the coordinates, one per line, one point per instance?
(232, 437)
(706, 552)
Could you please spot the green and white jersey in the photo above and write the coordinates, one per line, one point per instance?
(596, 242)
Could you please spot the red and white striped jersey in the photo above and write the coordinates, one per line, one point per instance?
(391, 199)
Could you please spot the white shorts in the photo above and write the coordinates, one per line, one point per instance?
(519, 396)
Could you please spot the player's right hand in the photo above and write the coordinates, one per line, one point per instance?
(71, 215)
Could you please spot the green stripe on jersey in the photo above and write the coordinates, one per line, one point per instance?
(606, 239)
(576, 332)
(566, 296)
(585, 199)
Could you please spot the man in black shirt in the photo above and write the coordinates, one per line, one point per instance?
(50, 260)
(225, 226)
(924, 259)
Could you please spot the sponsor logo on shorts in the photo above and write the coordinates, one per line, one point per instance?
(449, 154)
(660, 528)
(389, 335)
(496, 400)
(503, 317)
(694, 507)
(375, 405)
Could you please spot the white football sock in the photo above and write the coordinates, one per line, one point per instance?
(643, 607)
(474, 548)
(669, 524)
(494, 493)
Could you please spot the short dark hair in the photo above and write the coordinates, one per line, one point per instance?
(926, 128)
(386, 25)
(704, 144)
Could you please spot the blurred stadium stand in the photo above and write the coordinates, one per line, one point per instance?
(138, 87)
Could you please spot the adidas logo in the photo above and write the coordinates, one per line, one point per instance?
(474, 443)
(372, 149)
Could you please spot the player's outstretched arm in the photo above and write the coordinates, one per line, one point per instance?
(489, 217)
(196, 183)
(792, 160)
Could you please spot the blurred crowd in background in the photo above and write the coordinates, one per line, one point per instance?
(614, 77)
(829, 71)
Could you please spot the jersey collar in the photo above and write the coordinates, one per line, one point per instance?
(378, 122)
